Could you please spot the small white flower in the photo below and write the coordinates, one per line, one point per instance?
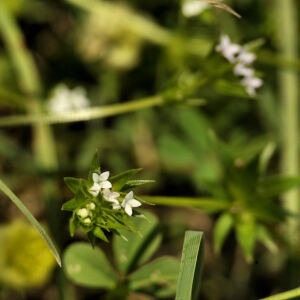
(83, 213)
(246, 57)
(110, 196)
(95, 189)
(242, 70)
(228, 50)
(251, 84)
(191, 8)
(116, 205)
(87, 221)
(129, 202)
(64, 99)
(100, 182)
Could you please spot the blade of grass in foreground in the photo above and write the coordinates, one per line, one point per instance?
(188, 284)
(5, 189)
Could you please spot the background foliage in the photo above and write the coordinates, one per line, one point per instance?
(216, 154)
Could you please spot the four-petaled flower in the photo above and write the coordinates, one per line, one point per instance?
(100, 182)
(129, 202)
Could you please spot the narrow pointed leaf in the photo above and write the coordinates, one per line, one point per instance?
(95, 166)
(72, 183)
(133, 183)
(209, 205)
(137, 250)
(5, 189)
(188, 284)
(118, 181)
(221, 230)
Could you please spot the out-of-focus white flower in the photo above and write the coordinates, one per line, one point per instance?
(242, 70)
(227, 49)
(251, 84)
(191, 8)
(65, 100)
(129, 202)
(246, 57)
(87, 221)
(239, 55)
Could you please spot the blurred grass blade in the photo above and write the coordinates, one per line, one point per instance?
(210, 205)
(188, 284)
(5, 189)
(278, 184)
(285, 296)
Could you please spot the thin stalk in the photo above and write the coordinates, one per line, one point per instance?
(288, 83)
(29, 82)
(286, 295)
(83, 114)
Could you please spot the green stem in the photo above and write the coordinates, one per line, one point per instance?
(286, 295)
(287, 29)
(84, 114)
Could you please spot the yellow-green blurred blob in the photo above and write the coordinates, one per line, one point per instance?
(25, 259)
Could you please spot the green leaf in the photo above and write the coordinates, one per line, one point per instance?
(73, 225)
(129, 255)
(118, 181)
(133, 183)
(95, 167)
(5, 189)
(188, 284)
(246, 235)
(209, 205)
(100, 234)
(88, 267)
(276, 185)
(265, 157)
(158, 278)
(221, 230)
(73, 183)
(264, 236)
(70, 205)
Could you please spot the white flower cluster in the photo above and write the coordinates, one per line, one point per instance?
(86, 213)
(101, 184)
(191, 8)
(65, 100)
(242, 59)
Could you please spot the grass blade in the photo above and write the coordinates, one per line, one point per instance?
(6, 190)
(188, 284)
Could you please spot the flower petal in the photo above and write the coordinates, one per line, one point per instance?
(134, 203)
(128, 210)
(129, 196)
(104, 176)
(96, 177)
(105, 185)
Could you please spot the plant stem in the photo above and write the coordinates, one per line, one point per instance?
(286, 295)
(83, 114)
(288, 81)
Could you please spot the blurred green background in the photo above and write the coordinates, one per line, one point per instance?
(113, 52)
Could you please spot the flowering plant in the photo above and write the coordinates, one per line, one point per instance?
(103, 203)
